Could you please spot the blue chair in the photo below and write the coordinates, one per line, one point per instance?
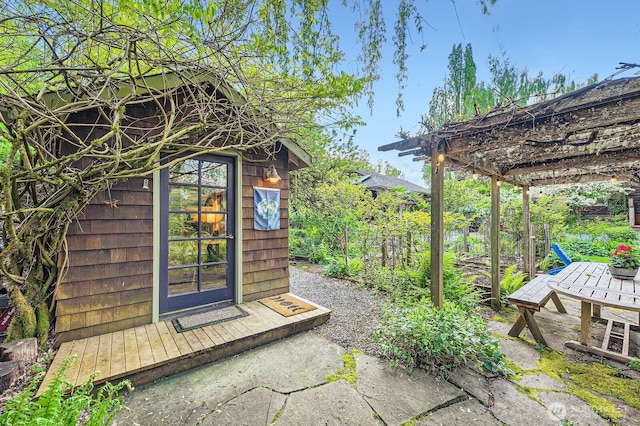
(563, 257)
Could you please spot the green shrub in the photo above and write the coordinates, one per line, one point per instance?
(457, 286)
(61, 405)
(437, 339)
(605, 228)
(392, 282)
(511, 282)
(338, 268)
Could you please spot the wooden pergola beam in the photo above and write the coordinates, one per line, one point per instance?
(495, 242)
(557, 121)
(409, 143)
(437, 228)
(526, 233)
(619, 161)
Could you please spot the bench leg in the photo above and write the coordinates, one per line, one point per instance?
(517, 327)
(533, 326)
(558, 303)
(526, 318)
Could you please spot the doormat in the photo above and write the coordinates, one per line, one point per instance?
(211, 317)
(287, 305)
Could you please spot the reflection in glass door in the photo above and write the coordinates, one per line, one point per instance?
(197, 227)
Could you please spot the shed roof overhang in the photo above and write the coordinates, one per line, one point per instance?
(587, 135)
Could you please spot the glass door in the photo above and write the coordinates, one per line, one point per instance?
(197, 224)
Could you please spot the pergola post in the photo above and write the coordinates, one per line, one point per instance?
(437, 225)
(495, 242)
(526, 233)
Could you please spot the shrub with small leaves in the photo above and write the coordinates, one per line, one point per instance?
(422, 335)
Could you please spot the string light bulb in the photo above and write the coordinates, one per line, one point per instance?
(440, 158)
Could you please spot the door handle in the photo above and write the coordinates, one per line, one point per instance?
(229, 237)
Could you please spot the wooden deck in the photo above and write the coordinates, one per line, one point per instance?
(149, 352)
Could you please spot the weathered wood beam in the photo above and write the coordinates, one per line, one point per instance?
(437, 229)
(568, 128)
(504, 159)
(495, 243)
(521, 154)
(580, 178)
(407, 144)
(482, 167)
(617, 160)
(416, 151)
(592, 98)
(526, 233)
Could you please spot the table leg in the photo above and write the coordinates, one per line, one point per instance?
(585, 322)
(596, 311)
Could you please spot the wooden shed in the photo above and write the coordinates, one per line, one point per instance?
(181, 239)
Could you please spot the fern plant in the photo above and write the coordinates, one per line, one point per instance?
(60, 404)
(511, 282)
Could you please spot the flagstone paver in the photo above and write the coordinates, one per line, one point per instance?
(257, 407)
(469, 412)
(541, 381)
(570, 408)
(335, 403)
(398, 395)
(513, 407)
(472, 382)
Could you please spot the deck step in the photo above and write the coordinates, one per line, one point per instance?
(150, 352)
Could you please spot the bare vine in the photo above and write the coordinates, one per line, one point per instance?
(173, 83)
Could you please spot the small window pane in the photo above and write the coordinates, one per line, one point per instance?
(183, 281)
(213, 276)
(183, 225)
(183, 197)
(183, 253)
(214, 250)
(215, 198)
(214, 174)
(185, 172)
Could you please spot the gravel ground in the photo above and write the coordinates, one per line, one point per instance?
(355, 310)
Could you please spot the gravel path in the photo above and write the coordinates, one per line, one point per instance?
(355, 310)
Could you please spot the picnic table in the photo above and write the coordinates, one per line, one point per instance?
(593, 285)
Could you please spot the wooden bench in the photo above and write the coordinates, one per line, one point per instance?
(529, 299)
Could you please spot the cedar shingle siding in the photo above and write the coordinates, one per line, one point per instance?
(265, 265)
(108, 283)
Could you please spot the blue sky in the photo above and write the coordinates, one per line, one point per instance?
(574, 37)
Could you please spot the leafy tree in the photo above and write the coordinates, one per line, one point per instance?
(272, 65)
(582, 195)
(268, 69)
(462, 96)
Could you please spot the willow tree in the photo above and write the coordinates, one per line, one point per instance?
(462, 96)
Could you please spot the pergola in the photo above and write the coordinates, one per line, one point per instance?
(588, 135)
